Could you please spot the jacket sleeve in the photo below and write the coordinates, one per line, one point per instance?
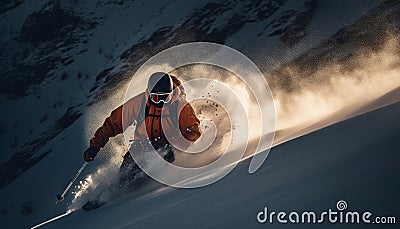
(113, 125)
(178, 84)
(189, 124)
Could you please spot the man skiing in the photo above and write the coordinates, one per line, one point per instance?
(159, 104)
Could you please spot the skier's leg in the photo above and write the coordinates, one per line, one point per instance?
(169, 154)
(127, 170)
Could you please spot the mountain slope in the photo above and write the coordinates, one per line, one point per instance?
(355, 160)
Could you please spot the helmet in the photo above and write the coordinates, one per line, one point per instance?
(160, 87)
(160, 82)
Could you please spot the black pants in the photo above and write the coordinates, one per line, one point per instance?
(129, 169)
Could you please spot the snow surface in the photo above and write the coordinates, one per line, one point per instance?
(356, 160)
(329, 17)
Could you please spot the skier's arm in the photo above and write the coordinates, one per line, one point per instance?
(111, 127)
(178, 84)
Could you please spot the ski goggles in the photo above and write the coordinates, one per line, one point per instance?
(161, 97)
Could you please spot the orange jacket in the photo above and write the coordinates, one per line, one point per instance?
(189, 124)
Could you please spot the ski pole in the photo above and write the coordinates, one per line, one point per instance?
(61, 197)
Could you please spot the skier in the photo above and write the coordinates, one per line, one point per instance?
(164, 95)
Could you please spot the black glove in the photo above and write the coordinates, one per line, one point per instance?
(90, 154)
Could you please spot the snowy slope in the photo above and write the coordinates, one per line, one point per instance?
(356, 160)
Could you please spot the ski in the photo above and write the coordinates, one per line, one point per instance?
(92, 205)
